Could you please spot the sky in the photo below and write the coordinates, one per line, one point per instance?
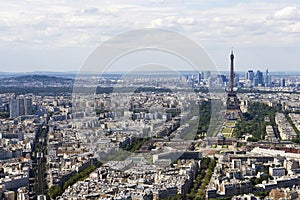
(58, 35)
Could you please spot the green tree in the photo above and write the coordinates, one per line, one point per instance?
(55, 191)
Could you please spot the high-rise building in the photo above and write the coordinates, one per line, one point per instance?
(21, 105)
(28, 106)
(209, 82)
(267, 79)
(282, 82)
(236, 79)
(207, 74)
(199, 77)
(260, 78)
(219, 80)
(13, 108)
(255, 81)
(250, 75)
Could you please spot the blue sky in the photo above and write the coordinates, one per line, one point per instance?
(58, 35)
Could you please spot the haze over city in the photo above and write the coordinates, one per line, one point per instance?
(59, 35)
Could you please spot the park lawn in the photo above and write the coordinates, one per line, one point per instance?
(227, 130)
(230, 124)
(228, 135)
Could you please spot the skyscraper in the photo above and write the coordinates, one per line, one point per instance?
(21, 105)
(28, 106)
(13, 108)
(207, 74)
(250, 75)
(267, 79)
(236, 79)
(282, 82)
(199, 77)
(260, 78)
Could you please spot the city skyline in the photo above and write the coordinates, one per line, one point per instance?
(58, 36)
(149, 100)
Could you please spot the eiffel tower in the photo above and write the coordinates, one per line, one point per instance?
(232, 104)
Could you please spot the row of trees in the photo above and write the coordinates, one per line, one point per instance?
(210, 170)
(152, 89)
(57, 190)
(136, 145)
(297, 140)
(202, 179)
(204, 117)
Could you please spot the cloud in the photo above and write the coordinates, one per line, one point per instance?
(292, 28)
(287, 13)
(75, 24)
(186, 21)
(92, 10)
(56, 23)
(171, 22)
